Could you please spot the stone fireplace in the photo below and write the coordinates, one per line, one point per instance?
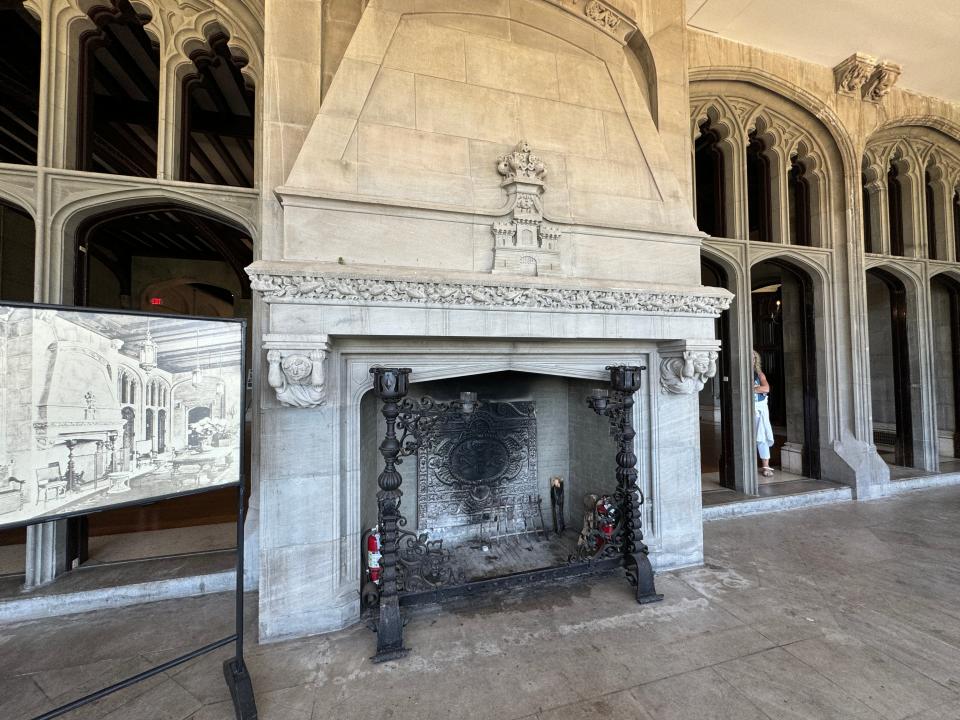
(508, 214)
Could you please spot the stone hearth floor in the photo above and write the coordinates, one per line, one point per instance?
(838, 611)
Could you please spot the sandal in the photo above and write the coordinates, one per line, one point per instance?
(766, 472)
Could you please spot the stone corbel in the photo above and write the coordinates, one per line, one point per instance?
(884, 77)
(297, 368)
(851, 74)
(686, 365)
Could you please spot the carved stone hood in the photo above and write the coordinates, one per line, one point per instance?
(78, 400)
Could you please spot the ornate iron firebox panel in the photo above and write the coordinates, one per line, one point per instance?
(470, 465)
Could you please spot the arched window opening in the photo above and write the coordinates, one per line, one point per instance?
(798, 194)
(163, 258)
(870, 244)
(709, 175)
(17, 252)
(218, 119)
(758, 190)
(931, 210)
(19, 84)
(895, 210)
(956, 224)
(119, 94)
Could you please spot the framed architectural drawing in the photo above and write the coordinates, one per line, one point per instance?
(100, 409)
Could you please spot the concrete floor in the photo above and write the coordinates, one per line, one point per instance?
(841, 611)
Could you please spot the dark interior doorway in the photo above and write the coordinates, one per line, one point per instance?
(716, 405)
(945, 316)
(890, 367)
(784, 334)
(17, 251)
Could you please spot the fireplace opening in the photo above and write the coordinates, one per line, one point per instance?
(503, 490)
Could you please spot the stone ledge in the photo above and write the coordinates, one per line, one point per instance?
(777, 504)
(332, 283)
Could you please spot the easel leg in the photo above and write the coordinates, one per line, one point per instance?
(241, 688)
(235, 669)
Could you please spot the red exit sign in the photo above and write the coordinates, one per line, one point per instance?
(156, 301)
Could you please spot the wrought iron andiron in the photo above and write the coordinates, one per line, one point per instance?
(416, 421)
(618, 406)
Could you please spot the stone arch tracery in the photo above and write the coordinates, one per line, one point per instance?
(783, 138)
(925, 163)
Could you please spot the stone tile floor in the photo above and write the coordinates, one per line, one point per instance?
(840, 611)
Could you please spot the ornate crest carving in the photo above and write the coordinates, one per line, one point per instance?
(521, 165)
(525, 244)
(296, 369)
(688, 374)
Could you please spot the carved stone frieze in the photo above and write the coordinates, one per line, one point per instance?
(525, 244)
(851, 74)
(316, 288)
(601, 14)
(296, 369)
(882, 80)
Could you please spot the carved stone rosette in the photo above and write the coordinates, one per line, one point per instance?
(525, 244)
(686, 366)
(296, 368)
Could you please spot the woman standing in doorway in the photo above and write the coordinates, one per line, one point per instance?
(761, 415)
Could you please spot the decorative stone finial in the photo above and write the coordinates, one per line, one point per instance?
(522, 165)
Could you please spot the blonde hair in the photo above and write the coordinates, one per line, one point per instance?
(757, 363)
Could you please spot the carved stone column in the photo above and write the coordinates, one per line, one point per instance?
(686, 365)
(297, 368)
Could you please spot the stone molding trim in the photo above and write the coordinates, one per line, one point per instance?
(525, 244)
(685, 366)
(297, 368)
(318, 288)
(602, 15)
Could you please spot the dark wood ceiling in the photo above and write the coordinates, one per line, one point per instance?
(19, 84)
(161, 231)
(120, 101)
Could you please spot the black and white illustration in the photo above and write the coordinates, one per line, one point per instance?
(99, 409)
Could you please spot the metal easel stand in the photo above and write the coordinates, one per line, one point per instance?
(234, 669)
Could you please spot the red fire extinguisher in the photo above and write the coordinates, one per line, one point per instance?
(373, 555)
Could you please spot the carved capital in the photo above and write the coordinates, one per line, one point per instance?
(686, 366)
(852, 73)
(882, 80)
(297, 368)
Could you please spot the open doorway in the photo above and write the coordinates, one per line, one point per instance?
(891, 370)
(716, 400)
(945, 316)
(784, 335)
